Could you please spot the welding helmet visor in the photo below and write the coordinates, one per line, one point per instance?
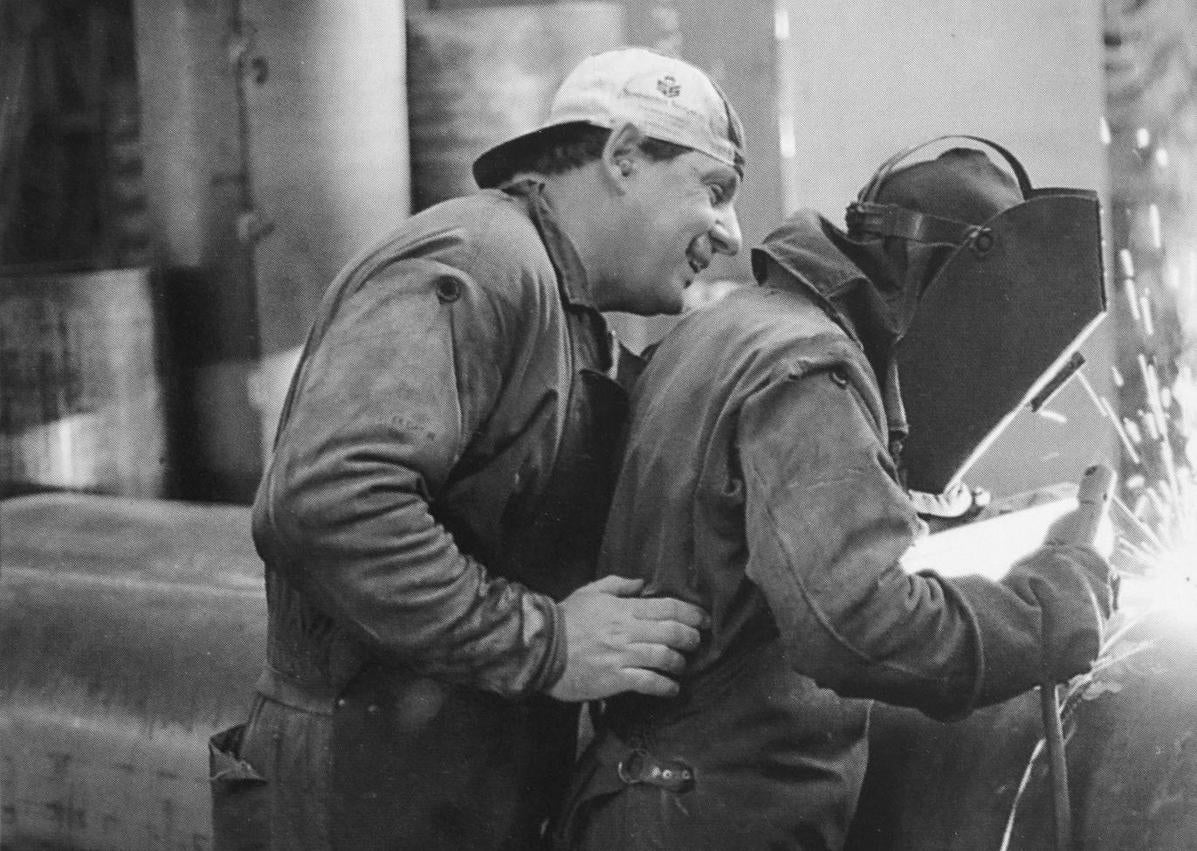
(998, 323)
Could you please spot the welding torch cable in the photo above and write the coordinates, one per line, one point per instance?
(1093, 497)
(1053, 735)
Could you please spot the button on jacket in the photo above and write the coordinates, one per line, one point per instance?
(757, 483)
(440, 478)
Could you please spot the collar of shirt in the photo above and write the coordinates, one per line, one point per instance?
(806, 247)
(571, 276)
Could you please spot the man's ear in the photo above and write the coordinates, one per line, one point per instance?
(621, 154)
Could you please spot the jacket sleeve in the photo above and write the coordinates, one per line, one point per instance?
(827, 525)
(386, 401)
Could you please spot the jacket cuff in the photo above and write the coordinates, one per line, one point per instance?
(552, 666)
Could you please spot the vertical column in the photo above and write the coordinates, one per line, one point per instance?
(324, 89)
(196, 194)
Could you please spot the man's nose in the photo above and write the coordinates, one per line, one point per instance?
(725, 235)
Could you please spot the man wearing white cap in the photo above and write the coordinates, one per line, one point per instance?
(431, 516)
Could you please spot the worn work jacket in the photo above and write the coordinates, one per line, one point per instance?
(758, 484)
(440, 477)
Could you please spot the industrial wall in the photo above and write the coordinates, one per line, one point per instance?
(274, 144)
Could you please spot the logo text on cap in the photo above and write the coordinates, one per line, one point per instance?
(668, 86)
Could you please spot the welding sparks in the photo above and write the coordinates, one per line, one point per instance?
(1145, 315)
(1153, 218)
(1165, 525)
(1127, 262)
(1158, 537)
(1132, 298)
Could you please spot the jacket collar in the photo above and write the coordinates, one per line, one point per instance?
(571, 275)
(851, 282)
(810, 248)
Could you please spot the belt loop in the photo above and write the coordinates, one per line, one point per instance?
(282, 689)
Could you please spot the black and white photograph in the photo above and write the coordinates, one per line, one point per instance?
(474, 425)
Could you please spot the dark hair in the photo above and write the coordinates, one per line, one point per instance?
(574, 145)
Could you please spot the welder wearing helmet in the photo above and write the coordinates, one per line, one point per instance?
(761, 482)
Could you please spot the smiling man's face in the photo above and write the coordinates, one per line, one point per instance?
(675, 216)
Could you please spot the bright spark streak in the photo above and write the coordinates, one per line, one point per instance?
(781, 23)
(1170, 467)
(1145, 312)
(1151, 381)
(1091, 393)
(1133, 518)
(1132, 298)
(1126, 441)
(1127, 262)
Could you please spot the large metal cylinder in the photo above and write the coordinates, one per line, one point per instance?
(276, 148)
(81, 404)
(1131, 753)
(131, 631)
(477, 77)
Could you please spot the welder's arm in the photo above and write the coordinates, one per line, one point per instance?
(827, 525)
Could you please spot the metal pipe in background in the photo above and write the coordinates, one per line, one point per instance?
(132, 630)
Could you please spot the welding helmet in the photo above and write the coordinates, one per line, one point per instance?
(1012, 284)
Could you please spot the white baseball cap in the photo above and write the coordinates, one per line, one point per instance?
(663, 96)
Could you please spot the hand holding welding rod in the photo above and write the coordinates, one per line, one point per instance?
(1081, 525)
(1077, 527)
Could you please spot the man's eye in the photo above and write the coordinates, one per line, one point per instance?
(717, 194)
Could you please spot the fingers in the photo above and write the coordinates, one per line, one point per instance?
(669, 609)
(620, 586)
(657, 657)
(1079, 526)
(647, 682)
(669, 633)
(617, 641)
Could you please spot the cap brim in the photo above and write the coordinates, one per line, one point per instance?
(496, 166)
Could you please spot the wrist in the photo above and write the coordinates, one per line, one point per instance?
(552, 666)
